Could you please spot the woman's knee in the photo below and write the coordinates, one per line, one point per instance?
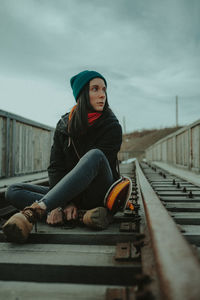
(96, 154)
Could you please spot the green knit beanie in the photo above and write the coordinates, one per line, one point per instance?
(79, 81)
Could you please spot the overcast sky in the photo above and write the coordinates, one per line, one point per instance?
(148, 50)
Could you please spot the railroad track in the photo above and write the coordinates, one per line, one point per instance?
(142, 255)
(181, 198)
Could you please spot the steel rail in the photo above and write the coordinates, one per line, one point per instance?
(177, 267)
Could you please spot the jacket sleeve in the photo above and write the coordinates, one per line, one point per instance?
(56, 169)
(111, 140)
(110, 143)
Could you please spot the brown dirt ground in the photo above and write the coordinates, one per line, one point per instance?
(135, 143)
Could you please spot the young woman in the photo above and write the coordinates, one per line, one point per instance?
(82, 164)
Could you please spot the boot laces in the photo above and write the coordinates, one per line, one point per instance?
(31, 214)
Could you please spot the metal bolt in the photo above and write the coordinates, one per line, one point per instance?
(191, 195)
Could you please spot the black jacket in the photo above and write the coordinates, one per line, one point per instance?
(105, 134)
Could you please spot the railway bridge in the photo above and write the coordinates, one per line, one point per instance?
(151, 252)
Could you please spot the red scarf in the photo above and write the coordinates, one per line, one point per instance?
(92, 117)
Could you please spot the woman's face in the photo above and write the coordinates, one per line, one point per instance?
(97, 94)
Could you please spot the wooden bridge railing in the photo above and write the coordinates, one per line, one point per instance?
(24, 145)
(181, 148)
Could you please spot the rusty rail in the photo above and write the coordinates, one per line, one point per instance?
(177, 267)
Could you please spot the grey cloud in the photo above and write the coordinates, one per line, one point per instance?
(147, 50)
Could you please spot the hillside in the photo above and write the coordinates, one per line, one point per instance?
(135, 143)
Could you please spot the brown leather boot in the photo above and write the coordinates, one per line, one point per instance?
(18, 227)
(97, 218)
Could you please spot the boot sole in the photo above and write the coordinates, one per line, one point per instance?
(13, 233)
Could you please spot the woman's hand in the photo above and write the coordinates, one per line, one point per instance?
(55, 217)
(71, 212)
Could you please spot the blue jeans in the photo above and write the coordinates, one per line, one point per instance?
(86, 184)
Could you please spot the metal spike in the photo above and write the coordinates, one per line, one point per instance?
(184, 190)
(191, 195)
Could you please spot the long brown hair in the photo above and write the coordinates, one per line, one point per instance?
(78, 124)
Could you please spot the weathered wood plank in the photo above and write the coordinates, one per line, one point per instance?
(24, 146)
(65, 263)
(77, 255)
(51, 291)
(30, 177)
(79, 235)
